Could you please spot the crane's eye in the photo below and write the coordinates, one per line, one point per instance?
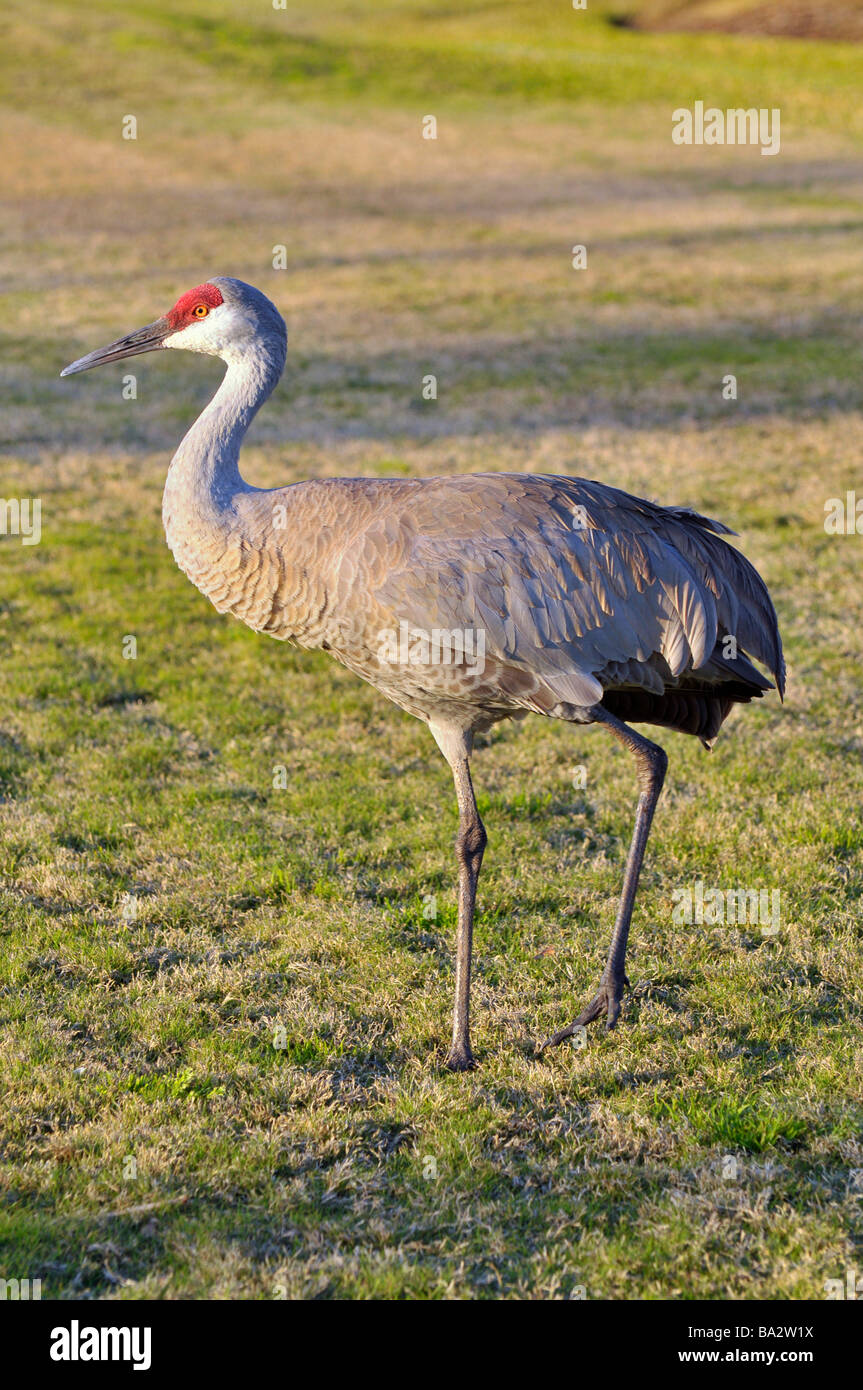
(200, 311)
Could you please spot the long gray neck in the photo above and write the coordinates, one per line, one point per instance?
(205, 473)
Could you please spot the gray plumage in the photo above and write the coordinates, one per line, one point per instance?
(591, 605)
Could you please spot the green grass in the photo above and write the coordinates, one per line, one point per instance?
(246, 988)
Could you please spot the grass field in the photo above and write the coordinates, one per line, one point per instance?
(166, 909)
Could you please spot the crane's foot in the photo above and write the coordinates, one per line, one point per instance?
(607, 1000)
(460, 1057)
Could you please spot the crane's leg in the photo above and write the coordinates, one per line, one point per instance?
(470, 844)
(652, 763)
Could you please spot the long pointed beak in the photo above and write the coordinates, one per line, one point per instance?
(145, 339)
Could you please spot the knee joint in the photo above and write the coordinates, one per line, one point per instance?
(471, 840)
(653, 769)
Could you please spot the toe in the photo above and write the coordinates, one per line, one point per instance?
(592, 1012)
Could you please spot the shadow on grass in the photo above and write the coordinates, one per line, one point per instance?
(626, 375)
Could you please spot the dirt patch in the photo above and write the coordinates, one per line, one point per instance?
(797, 19)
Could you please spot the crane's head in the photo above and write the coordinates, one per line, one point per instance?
(223, 317)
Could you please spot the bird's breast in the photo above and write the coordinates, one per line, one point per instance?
(255, 579)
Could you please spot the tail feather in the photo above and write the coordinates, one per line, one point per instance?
(698, 712)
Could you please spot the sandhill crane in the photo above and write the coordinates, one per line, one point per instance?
(465, 600)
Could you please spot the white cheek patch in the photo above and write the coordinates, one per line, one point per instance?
(192, 338)
(212, 334)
